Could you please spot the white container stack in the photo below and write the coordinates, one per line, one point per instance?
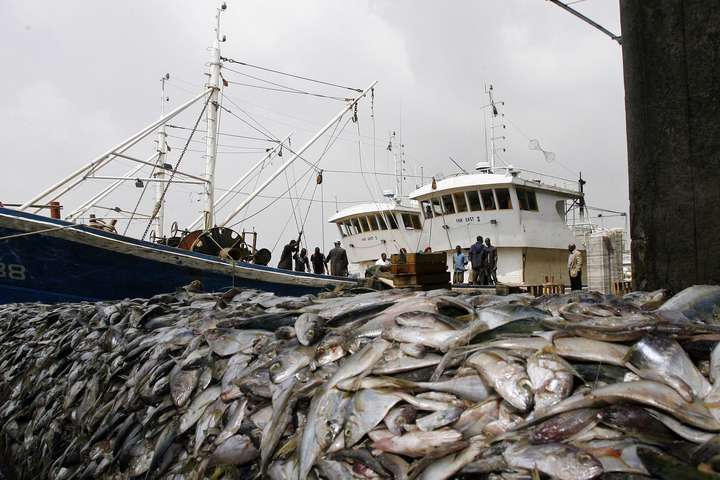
(604, 260)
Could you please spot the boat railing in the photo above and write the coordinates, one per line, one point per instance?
(545, 179)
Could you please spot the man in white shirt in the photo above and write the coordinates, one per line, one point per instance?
(383, 262)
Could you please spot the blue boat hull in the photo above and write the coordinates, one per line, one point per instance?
(56, 261)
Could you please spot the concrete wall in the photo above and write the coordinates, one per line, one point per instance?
(671, 55)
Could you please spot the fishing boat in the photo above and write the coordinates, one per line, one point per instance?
(530, 217)
(83, 257)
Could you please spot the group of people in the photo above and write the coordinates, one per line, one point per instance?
(318, 261)
(483, 261)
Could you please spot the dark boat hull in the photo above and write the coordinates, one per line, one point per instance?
(59, 262)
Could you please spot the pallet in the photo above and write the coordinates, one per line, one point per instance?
(622, 287)
(538, 290)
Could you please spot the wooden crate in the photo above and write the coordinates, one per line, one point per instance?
(404, 280)
(417, 263)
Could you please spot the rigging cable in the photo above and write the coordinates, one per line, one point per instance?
(282, 195)
(230, 60)
(267, 132)
(177, 164)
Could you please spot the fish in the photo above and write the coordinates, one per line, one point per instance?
(699, 303)
(557, 460)
(421, 444)
(236, 450)
(361, 384)
(368, 408)
(309, 328)
(507, 376)
(324, 422)
(662, 359)
(398, 417)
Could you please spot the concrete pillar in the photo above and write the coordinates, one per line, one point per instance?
(671, 55)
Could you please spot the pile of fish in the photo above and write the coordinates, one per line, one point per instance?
(363, 385)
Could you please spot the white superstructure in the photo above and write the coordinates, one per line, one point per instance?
(523, 213)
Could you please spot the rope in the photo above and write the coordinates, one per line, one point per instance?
(28, 234)
(177, 164)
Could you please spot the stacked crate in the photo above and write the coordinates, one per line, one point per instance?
(423, 271)
(604, 260)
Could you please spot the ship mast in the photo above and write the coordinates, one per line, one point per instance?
(211, 118)
(160, 171)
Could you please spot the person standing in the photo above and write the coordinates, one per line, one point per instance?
(477, 259)
(490, 262)
(459, 262)
(383, 262)
(301, 261)
(575, 268)
(338, 260)
(286, 257)
(317, 260)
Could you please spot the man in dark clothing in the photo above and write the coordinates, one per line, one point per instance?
(338, 260)
(301, 261)
(317, 260)
(490, 262)
(287, 255)
(477, 260)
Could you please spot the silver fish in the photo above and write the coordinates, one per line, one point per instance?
(309, 328)
(324, 422)
(236, 450)
(419, 444)
(662, 359)
(366, 411)
(558, 460)
(506, 375)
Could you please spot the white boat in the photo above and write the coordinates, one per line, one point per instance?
(528, 216)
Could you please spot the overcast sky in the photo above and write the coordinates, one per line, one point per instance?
(79, 76)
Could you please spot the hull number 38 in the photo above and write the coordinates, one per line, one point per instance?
(12, 271)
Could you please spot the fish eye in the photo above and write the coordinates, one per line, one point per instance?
(310, 332)
(585, 458)
(275, 366)
(348, 432)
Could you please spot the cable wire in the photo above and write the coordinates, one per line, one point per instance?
(230, 60)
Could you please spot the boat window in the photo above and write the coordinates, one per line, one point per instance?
(526, 199)
(474, 200)
(393, 221)
(381, 222)
(356, 224)
(503, 198)
(349, 228)
(341, 227)
(373, 222)
(364, 224)
(532, 200)
(448, 204)
(411, 221)
(460, 202)
(437, 208)
(417, 224)
(426, 208)
(488, 199)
